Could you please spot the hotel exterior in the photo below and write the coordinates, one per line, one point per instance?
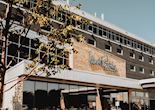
(109, 71)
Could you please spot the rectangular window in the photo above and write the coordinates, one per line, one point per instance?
(79, 24)
(100, 31)
(141, 69)
(132, 68)
(121, 40)
(141, 58)
(14, 38)
(139, 47)
(119, 51)
(117, 38)
(24, 52)
(91, 41)
(151, 73)
(73, 22)
(128, 42)
(108, 48)
(150, 60)
(84, 26)
(24, 41)
(13, 50)
(90, 28)
(94, 29)
(132, 55)
(35, 43)
(125, 41)
(104, 33)
(113, 36)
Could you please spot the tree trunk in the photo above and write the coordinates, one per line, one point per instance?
(3, 59)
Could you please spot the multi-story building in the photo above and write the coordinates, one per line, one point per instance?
(108, 64)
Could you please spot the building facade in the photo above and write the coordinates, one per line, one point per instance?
(105, 71)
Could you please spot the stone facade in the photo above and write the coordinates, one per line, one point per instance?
(18, 98)
(89, 58)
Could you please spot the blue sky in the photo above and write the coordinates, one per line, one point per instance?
(135, 16)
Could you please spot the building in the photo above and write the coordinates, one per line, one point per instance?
(106, 70)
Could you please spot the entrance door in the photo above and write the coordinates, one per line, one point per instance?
(152, 104)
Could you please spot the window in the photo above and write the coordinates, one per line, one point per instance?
(24, 41)
(150, 60)
(117, 38)
(151, 73)
(35, 43)
(125, 41)
(91, 41)
(132, 55)
(119, 51)
(121, 40)
(73, 22)
(24, 52)
(90, 28)
(141, 58)
(100, 31)
(108, 48)
(141, 69)
(13, 50)
(94, 29)
(128, 42)
(14, 38)
(104, 33)
(132, 68)
(113, 36)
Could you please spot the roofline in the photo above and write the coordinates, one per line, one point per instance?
(103, 23)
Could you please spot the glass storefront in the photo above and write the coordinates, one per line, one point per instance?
(39, 95)
(56, 96)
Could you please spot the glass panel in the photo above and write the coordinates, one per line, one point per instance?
(34, 43)
(14, 38)
(33, 54)
(28, 94)
(140, 94)
(24, 41)
(12, 49)
(12, 61)
(41, 96)
(53, 96)
(52, 86)
(24, 52)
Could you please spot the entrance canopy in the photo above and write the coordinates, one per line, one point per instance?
(78, 76)
(147, 83)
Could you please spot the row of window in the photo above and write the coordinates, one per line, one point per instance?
(48, 96)
(140, 70)
(106, 33)
(119, 51)
(120, 39)
(101, 31)
(20, 48)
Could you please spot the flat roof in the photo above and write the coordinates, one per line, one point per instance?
(86, 15)
(147, 83)
(78, 76)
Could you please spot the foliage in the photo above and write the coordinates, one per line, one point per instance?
(58, 38)
(19, 18)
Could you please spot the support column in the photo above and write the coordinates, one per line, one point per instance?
(62, 102)
(129, 98)
(98, 101)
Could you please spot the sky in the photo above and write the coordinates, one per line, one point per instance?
(134, 16)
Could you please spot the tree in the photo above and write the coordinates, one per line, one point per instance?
(18, 13)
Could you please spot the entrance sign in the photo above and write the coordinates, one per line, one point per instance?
(89, 58)
(103, 62)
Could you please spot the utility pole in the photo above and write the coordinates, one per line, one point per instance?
(4, 34)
